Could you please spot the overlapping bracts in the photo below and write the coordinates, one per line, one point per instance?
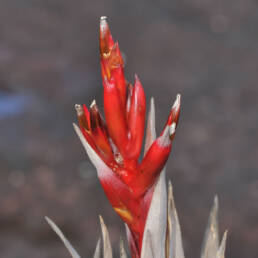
(136, 188)
(114, 144)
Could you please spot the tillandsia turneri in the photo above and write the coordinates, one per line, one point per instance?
(117, 140)
(136, 188)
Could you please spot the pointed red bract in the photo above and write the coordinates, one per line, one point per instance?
(115, 115)
(136, 120)
(106, 41)
(99, 133)
(116, 65)
(153, 162)
(127, 182)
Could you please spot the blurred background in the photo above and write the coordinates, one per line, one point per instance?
(206, 50)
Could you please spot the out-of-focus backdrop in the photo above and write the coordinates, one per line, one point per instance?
(206, 50)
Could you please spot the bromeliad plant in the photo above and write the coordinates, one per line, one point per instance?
(114, 146)
(135, 187)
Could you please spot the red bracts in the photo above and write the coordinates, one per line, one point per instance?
(114, 145)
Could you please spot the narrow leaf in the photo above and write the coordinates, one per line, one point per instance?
(107, 249)
(67, 244)
(221, 251)
(156, 220)
(131, 242)
(97, 252)
(122, 249)
(174, 246)
(211, 238)
(149, 251)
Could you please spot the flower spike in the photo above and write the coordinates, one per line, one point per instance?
(114, 144)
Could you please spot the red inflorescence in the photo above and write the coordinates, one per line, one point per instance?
(117, 140)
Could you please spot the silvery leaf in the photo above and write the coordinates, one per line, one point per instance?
(221, 251)
(67, 244)
(211, 238)
(174, 246)
(107, 249)
(156, 220)
(149, 249)
(122, 249)
(131, 241)
(97, 252)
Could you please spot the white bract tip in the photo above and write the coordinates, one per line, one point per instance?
(177, 102)
(172, 129)
(78, 109)
(103, 23)
(164, 139)
(93, 103)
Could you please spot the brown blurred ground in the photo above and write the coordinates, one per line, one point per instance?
(205, 49)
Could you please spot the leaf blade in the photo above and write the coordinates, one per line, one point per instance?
(67, 244)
